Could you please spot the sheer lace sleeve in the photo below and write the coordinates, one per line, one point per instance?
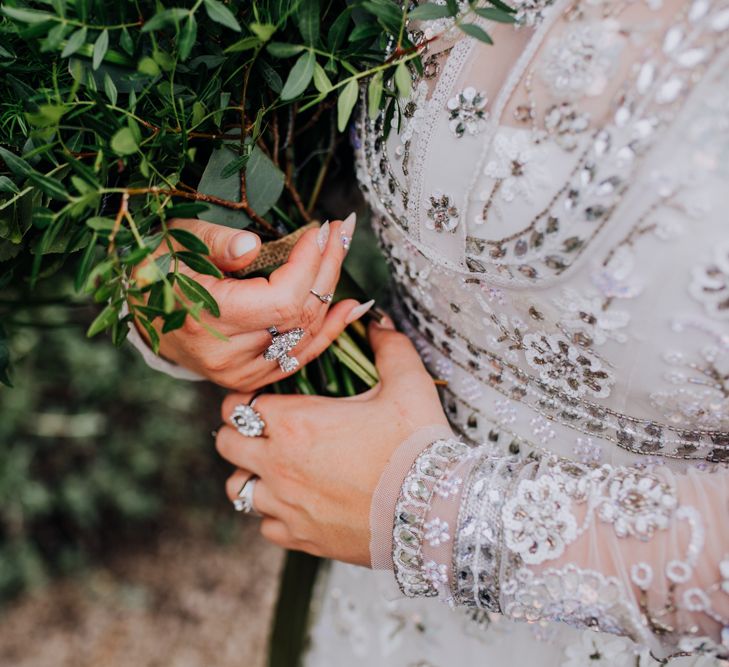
(630, 551)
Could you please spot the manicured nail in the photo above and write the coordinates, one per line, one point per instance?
(385, 323)
(242, 243)
(323, 236)
(358, 311)
(347, 230)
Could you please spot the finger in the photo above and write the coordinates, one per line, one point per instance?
(296, 277)
(239, 450)
(336, 320)
(276, 532)
(395, 355)
(230, 249)
(263, 500)
(334, 254)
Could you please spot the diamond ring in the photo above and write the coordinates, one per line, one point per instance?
(244, 501)
(324, 298)
(248, 421)
(281, 345)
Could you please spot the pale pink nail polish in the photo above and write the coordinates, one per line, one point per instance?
(323, 236)
(242, 244)
(347, 230)
(358, 311)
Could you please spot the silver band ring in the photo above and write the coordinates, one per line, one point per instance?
(324, 298)
(248, 421)
(244, 501)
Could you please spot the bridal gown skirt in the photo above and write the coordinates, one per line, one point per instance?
(360, 619)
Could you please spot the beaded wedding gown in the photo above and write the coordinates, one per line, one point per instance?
(555, 210)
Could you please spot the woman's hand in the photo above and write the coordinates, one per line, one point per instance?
(249, 306)
(321, 458)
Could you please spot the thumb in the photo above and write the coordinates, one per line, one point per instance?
(230, 249)
(395, 355)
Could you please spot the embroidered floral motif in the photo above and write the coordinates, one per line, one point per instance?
(531, 12)
(437, 531)
(587, 451)
(518, 165)
(588, 320)
(637, 504)
(538, 521)
(710, 285)
(436, 574)
(582, 60)
(467, 112)
(442, 214)
(598, 650)
(566, 367)
(565, 123)
(447, 487)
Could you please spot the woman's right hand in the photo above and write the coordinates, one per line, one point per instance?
(249, 306)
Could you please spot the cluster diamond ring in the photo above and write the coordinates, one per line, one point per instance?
(247, 420)
(281, 345)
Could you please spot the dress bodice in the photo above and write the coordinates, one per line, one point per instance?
(554, 208)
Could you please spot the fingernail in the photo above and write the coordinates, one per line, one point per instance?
(347, 230)
(242, 243)
(385, 323)
(323, 236)
(358, 311)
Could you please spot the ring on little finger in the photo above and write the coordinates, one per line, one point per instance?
(244, 500)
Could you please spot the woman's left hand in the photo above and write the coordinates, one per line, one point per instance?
(320, 459)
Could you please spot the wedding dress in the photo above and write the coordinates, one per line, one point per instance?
(555, 210)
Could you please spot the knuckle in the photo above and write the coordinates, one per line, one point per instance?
(216, 363)
(309, 313)
(286, 309)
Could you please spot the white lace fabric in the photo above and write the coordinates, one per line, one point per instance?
(554, 210)
(634, 552)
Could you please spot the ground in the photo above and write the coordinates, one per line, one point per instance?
(184, 601)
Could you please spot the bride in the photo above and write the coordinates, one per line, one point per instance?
(554, 210)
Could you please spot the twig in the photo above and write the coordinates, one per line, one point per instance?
(209, 199)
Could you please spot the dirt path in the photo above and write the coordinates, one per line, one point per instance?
(187, 601)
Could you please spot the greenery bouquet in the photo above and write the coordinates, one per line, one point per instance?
(116, 117)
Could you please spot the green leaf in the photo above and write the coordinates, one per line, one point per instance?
(86, 263)
(403, 80)
(199, 263)
(194, 291)
(429, 12)
(101, 46)
(477, 32)
(374, 95)
(16, 164)
(174, 320)
(235, 166)
(365, 31)
(283, 50)
(345, 103)
(321, 80)
(6, 185)
(125, 41)
(219, 13)
(338, 30)
(299, 77)
(75, 42)
(164, 18)
(154, 340)
(104, 320)
(494, 14)
(307, 18)
(245, 44)
(99, 224)
(26, 15)
(123, 142)
(189, 240)
(264, 31)
(148, 66)
(49, 185)
(188, 35)
(110, 89)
